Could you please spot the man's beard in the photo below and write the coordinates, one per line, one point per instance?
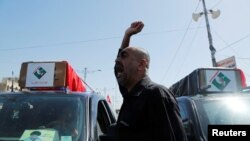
(122, 79)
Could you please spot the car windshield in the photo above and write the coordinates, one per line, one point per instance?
(51, 117)
(228, 110)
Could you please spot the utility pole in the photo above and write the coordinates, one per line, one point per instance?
(86, 71)
(12, 82)
(210, 40)
(85, 74)
(215, 14)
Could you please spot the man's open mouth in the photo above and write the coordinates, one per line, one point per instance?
(118, 69)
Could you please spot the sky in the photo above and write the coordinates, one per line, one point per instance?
(88, 33)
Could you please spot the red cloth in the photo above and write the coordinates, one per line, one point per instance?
(243, 79)
(108, 99)
(73, 81)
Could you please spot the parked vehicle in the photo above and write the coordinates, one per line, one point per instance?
(212, 96)
(199, 111)
(53, 106)
(24, 112)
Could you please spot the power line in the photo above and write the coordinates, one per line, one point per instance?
(220, 37)
(243, 58)
(91, 40)
(237, 41)
(188, 52)
(172, 61)
(172, 30)
(216, 4)
(235, 52)
(62, 43)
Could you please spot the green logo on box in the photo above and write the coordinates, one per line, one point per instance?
(221, 81)
(39, 72)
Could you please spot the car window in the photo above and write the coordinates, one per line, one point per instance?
(228, 110)
(183, 110)
(20, 113)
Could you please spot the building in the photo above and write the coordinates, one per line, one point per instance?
(9, 84)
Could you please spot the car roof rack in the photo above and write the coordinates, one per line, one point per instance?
(50, 76)
(210, 80)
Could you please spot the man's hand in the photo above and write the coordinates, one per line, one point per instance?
(134, 28)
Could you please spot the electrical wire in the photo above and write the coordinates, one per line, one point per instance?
(188, 52)
(91, 40)
(216, 33)
(59, 44)
(219, 2)
(178, 48)
(235, 42)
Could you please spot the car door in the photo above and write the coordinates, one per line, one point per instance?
(102, 117)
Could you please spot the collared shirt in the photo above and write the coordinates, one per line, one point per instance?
(149, 113)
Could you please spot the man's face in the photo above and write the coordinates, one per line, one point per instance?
(126, 66)
(33, 137)
(67, 114)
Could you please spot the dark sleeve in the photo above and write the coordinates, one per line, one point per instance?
(166, 124)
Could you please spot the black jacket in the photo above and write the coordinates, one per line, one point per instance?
(149, 113)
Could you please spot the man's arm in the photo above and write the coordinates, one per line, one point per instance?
(134, 28)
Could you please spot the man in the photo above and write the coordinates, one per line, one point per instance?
(149, 111)
(63, 124)
(34, 136)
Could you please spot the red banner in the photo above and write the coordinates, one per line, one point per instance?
(73, 81)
